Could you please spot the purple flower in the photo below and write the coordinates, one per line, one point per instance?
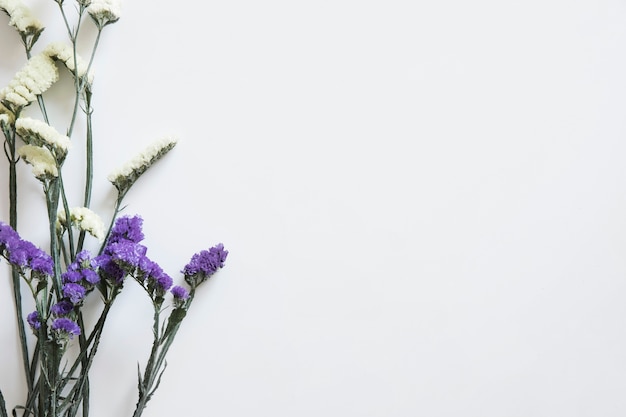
(7, 235)
(127, 253)
(90, 276)
(66, 325)
(42, 263)
(62, 308)
(33, 320)
(71, 275)
(74, 292)
(127, 228)
(179, 292)
(23, 253)
(164, 281)
(204, 264)
(82, 270)
(109, 269)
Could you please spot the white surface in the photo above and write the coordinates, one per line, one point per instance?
(424, 203)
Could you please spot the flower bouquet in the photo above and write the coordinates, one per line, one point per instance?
(83, 258)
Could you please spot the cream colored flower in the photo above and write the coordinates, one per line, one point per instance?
(85, 219)
(123, 177)
(42, 161)
(21, 18)
(37, 132)
(63, 52)
(104, 12)
(33, 79)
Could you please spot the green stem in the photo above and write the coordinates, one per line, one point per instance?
(15, 277)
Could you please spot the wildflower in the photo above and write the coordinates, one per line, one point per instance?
(33, 79)
(124, 177)
(85, 219)
(22, 19)
(63, 52)
(42, 161)
(104, 12)
(204, 264)
(22, 253)
(67, 326)
(39, 133)
(34, 320)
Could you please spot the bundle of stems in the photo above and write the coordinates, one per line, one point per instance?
(57, 363)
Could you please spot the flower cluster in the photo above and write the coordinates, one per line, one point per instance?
(83, 218)
(23, 21)
(124, 177)
(36, 77)
(204, 264)
(22, 253)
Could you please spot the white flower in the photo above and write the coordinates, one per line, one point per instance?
(65, 53)
(8, 113)
(104, 12)
(33, 79)
(21, 17)
(37, 132)
(44, 164)
(126, 175)
(85, 219)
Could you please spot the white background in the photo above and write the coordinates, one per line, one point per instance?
(424, 204)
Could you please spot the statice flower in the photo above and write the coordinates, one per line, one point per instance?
(34, 320)
(62, 308)
(179, 292)
(81, 272)
(122, 254)
(204, 264)
(21, 18)
(37, 76)
(85, 219)
(7, 236)
(124, 177)
(39, 133)
(22, 253)
(74, 292)
(63, 52)
(104, 12)
(43, 163)
(66, 326)
(127, 228)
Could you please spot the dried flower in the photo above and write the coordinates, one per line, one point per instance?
(74, 292)
(39, 133)
(33, 79)
(127, 228)
(34, 320)
(22, 253)
(22, 19)
(85, 219)
(63, 52)
(104, 12)
(204, 264)
(62, 308)
(179, 292)
(124, 177)
(65, 326)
